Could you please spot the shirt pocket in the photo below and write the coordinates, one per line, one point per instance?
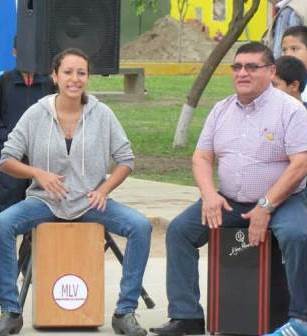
(270, 147)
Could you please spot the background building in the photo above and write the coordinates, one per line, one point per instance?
(215, 15)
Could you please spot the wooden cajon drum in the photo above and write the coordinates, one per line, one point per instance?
(68, 275)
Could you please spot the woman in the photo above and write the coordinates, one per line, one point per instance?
(69, 138)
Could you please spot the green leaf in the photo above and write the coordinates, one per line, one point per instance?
(141, 6)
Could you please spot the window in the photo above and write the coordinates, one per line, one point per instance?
(219, 10)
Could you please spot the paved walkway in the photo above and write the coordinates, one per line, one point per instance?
(160, 202)
(156, 199)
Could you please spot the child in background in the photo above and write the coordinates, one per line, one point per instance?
(294, 43)
(290, 76)
(289, 13)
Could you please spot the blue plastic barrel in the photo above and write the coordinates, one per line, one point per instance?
(7, 33)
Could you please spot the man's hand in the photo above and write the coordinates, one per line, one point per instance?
(259, 220)
(52, 183)
(97, 199)
(212, 210)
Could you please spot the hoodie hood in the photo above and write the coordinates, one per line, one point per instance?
(45, 103)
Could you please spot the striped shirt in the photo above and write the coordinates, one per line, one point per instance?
(252, 143)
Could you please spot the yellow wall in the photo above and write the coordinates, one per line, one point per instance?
(254, 30)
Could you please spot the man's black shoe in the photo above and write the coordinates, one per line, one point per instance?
(179, 327)
(10, 323)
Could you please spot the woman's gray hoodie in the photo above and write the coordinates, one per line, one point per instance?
(97, 138)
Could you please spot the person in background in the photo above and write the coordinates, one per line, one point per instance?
(70, 139)
(18, 91)
(257, 139)
(294, 43)
(289, 13)
(290, 76)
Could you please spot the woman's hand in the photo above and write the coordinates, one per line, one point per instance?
(97, 199)
(52, 183)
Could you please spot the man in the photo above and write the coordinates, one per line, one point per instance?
(289, 13)
(258, 139)
(18, 91)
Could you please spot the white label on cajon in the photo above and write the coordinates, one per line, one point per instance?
(70, 292)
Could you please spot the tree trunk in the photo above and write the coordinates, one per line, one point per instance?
(180, 41)
(183, 124)
(236, 27)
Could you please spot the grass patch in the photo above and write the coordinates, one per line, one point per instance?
(151, 124)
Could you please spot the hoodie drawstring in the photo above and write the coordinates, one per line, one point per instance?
(83, 144)
(49, 142)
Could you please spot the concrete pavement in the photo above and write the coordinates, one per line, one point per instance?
(160, 202)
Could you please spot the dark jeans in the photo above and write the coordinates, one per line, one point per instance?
(12, 190)
(186, 234)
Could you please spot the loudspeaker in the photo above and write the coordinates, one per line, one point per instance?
(46, 27)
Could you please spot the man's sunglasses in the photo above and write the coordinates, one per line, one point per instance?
(248, 67)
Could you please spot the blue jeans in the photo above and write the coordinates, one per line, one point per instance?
(117, 218)
(186, 234)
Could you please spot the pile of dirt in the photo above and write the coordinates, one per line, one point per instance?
(161, 43)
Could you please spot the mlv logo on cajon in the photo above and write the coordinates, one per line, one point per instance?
(70, 292)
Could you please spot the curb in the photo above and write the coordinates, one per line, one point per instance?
(169, 68)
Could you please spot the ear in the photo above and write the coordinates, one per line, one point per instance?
(294, 87)
(273, 70)
(54, 77)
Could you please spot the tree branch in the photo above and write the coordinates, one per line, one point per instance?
(237, 24)
(236, 27)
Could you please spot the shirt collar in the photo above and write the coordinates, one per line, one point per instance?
(257, 102)
(37, 78)
(282, 3)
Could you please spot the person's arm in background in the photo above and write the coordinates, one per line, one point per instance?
(287, 18)
(3, 129)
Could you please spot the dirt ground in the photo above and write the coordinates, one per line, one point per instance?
(161, 164)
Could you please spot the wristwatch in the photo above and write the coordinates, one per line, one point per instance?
(266, 204)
